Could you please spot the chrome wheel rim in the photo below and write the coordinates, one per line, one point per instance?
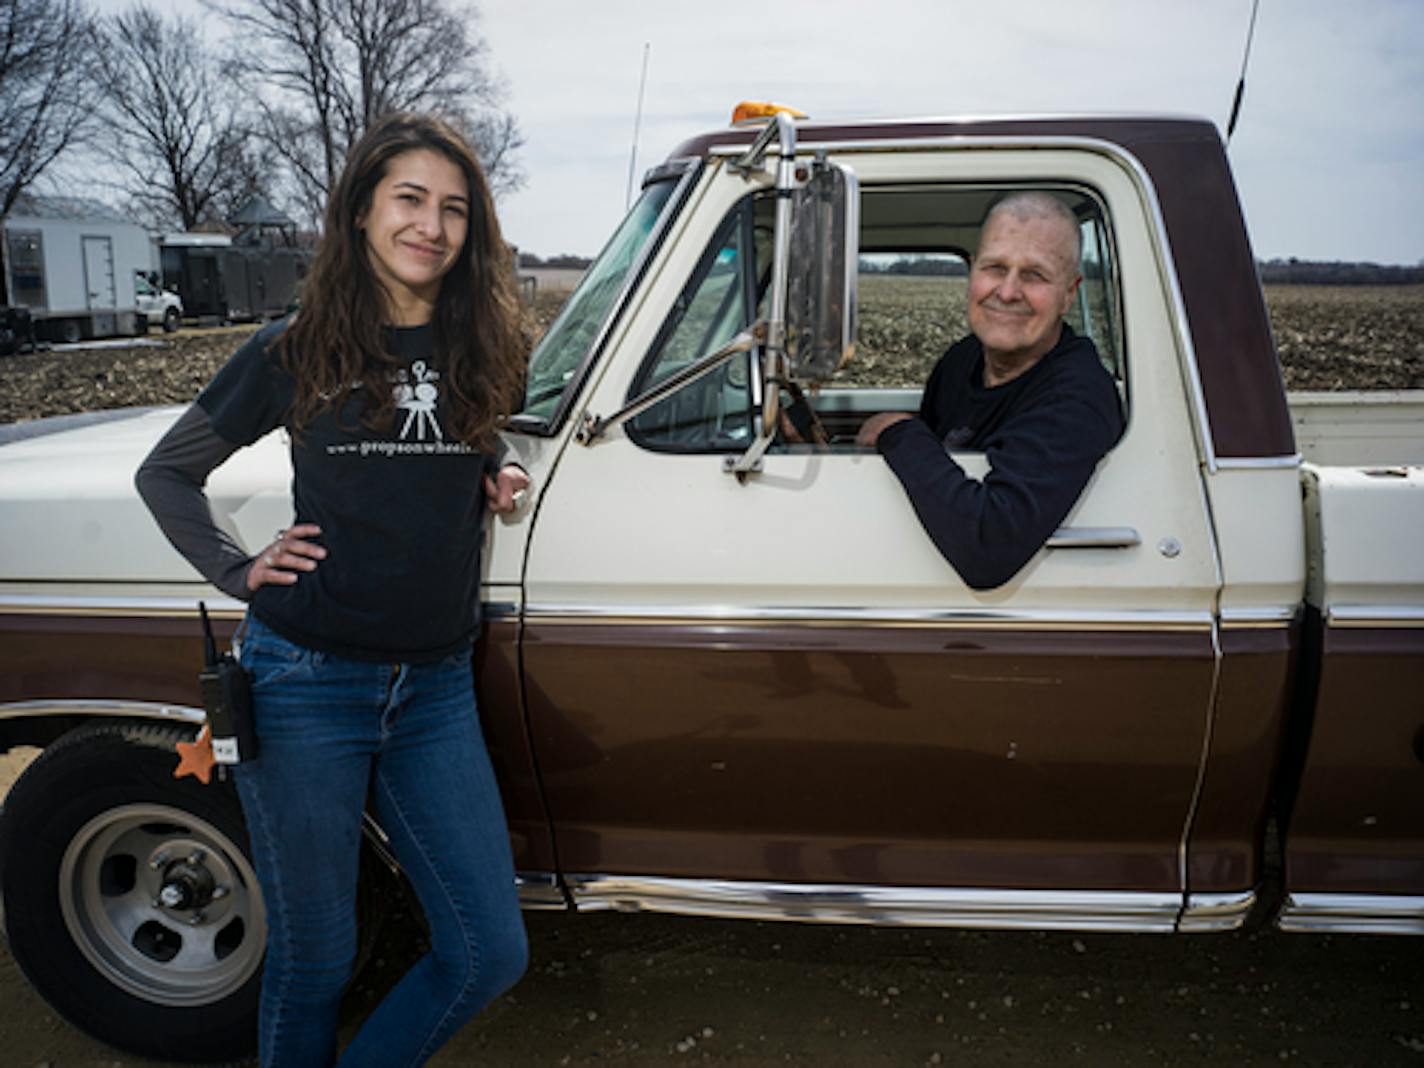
(163, 904)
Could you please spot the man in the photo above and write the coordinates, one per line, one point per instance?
(1023, 387)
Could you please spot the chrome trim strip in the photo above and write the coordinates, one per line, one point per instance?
(539, 891)
(1046, 618)
(1068, 910)
(1232, 463)
(1196, 396)
(101, 707)
(99, 605)
(1353, 913)
(1255, 617)
(183, 606)
(1206, 913)
(1375, 615)
(1093, 538)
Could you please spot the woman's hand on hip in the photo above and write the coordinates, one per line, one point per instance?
(505, 491)
(281, 563)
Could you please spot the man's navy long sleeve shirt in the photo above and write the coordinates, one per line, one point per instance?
(1043, 433)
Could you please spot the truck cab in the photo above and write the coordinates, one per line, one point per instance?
(157, 304)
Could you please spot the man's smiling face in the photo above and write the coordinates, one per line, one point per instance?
(1021, 283)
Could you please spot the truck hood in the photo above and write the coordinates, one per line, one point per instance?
(69, 511)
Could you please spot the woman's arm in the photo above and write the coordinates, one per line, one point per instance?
(171, 480)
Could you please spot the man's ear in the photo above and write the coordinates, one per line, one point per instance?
(1071, 293)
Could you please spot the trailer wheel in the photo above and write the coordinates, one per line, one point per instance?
(170, 320)
(69, 331)
(129, 899)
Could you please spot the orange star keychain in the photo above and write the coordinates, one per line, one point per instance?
(196, 757)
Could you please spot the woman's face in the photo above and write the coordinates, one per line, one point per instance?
(415, 228)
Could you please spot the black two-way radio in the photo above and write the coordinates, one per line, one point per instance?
(227, 697)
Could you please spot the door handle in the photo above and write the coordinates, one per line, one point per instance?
(1094, 538)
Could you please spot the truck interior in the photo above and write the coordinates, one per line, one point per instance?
(915, 245)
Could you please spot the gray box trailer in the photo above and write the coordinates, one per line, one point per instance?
(71, 263)
(219, 278)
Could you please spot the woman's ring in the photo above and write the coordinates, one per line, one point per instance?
(270, 560)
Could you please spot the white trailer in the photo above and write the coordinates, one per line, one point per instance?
(72, 263)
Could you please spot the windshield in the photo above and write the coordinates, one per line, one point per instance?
(562, 354)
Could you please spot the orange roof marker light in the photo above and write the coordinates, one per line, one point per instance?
(754, 111)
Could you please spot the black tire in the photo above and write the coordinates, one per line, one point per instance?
(90, 836)
(70, 331)
(170, 320)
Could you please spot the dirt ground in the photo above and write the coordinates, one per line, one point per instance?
(644, 990)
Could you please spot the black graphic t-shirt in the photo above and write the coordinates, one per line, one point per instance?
(400, 508)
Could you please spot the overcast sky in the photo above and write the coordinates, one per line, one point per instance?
(1328, 154)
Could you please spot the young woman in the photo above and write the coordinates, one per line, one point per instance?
(391, 380)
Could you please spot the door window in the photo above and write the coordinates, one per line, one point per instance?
(716, 412)
(916, 244)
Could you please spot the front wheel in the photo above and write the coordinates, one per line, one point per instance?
(170, 320)
(129, 899)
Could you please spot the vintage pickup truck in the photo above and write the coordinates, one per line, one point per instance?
(727, 674)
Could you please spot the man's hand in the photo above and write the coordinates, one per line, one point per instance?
(507, 485)
(290, 553)
(872, 428)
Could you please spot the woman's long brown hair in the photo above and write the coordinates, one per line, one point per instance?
(337, 338)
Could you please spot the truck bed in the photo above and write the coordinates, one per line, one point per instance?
(1358, 429)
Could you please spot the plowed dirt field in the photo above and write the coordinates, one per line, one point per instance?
(1328, 337)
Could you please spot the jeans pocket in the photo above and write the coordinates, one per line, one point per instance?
(271, 659)
(459, 658)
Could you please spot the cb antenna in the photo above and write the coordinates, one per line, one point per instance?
(637, 122)
(1241, 82)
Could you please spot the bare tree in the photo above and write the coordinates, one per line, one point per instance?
(333, 66)
(44, 110)
(175, 132)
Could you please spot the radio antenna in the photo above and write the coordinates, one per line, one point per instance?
(637, 122)
(1241, 82)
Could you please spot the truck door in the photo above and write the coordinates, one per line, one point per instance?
(777, 690)
(99, 273)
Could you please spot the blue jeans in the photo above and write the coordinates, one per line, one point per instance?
(331, 732)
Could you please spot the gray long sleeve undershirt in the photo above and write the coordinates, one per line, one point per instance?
(171, 481)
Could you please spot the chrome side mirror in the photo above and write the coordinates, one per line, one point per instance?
(825, 245)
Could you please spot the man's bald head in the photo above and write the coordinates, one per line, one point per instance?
(1034, 204)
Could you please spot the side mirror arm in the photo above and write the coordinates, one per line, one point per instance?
(593, 426)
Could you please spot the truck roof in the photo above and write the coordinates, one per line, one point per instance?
(1184, 165)
(1123, 129)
